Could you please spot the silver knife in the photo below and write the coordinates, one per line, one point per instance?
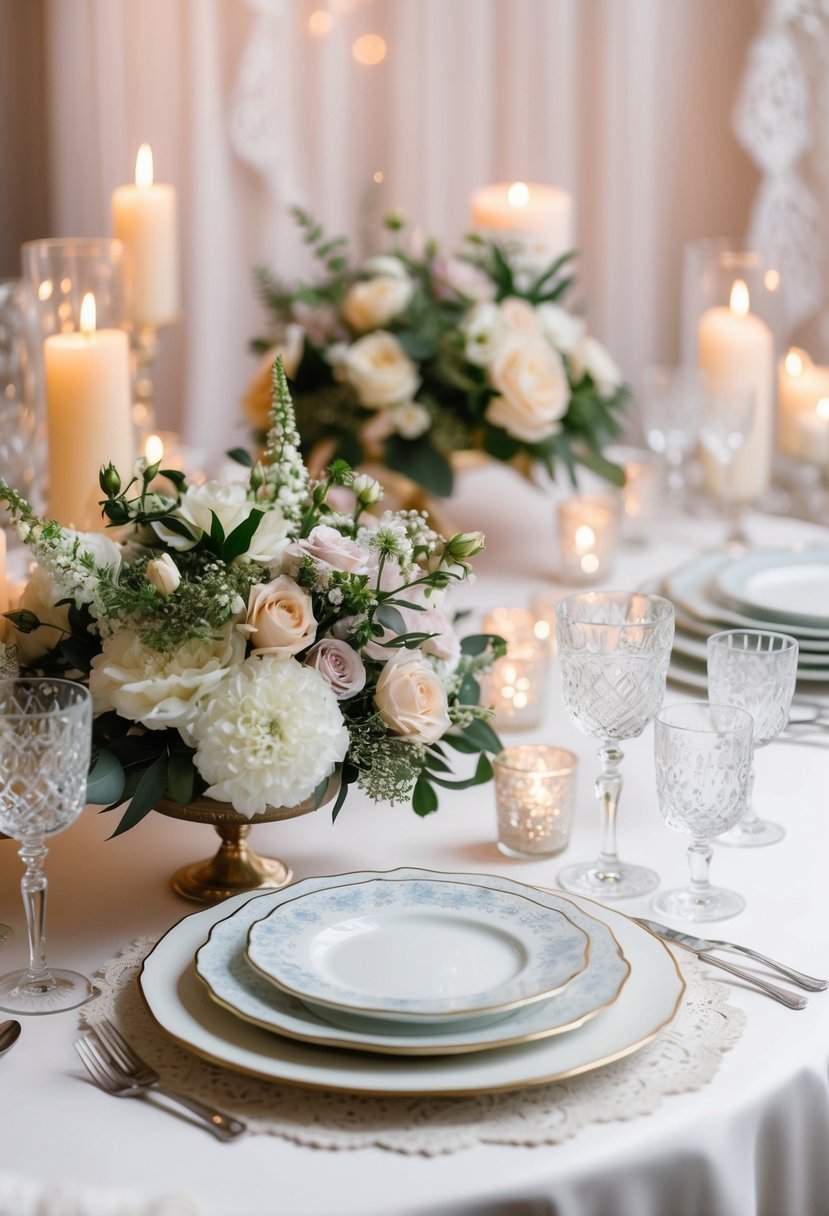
(700, 947)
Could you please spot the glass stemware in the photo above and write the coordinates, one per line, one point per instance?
(726, 419)
(614, 648)
(669, 409)
(45, 741)
(703, 760)
(756, 670)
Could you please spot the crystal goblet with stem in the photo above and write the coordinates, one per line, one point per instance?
(756, 670)
(726, 419)
(45, 741)
(669, 411)
(614, 648)
(703, 761)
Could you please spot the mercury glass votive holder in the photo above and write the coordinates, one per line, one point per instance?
(587, 534)
(535, 789)
(516, 688)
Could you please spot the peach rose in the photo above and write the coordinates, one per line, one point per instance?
(373, 303)
(380, 371)
(280, 619)
(534, 390)
(411, 699)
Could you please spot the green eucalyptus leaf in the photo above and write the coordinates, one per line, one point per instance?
(390, 617)
(106, 780)
(241, 456)
(148, 793)
(181, 775)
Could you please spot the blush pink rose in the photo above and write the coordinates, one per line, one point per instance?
(280, 618)
(339, 665)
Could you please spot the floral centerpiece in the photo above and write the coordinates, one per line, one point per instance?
(252, 641)
(410, 356)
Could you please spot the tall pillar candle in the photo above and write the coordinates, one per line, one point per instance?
(538, 217)
(4, 586)
(88, 416)
(736, 348)
(802, 385)
(144, 218)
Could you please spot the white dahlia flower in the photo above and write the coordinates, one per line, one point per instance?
(268, 735)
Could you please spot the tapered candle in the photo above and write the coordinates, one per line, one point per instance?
(88, 416)
(144, 218)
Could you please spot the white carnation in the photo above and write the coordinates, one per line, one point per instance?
(268, 735)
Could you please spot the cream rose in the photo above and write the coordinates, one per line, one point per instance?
(280, 619)
(329, 548)
(160, 688)
(339, 665)
(411, 699)
(380, 371)
(231, 505)
(534, 390)
(519, 318)
(590, 357)
(163, 574)
(411, 419)
(560, 327)
(373, 303)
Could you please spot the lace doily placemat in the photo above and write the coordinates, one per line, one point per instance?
(684, 1057)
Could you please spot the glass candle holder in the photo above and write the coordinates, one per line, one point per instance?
(641, 493)
(543, 608)
(535, 788)
(515, 625)
(516, 688)
(22, 428)
(587, 533)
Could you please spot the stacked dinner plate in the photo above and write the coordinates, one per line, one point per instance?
(782, 589)
(411, 982)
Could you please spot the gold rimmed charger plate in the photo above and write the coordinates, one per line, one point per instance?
(181, 1007)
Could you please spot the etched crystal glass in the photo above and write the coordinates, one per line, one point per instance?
(756, 670)
(614, 648)
(703, 761)
(45, 740)
(669, 407)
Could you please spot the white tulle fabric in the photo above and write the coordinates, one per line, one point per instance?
(782, 121)
(683, 1058)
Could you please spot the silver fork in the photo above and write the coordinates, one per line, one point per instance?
(115, 1068)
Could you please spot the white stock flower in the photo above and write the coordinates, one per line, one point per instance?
(484, 331)
(160, 688)
(592, 358)
(231, 505)
(534, 390)
(380, 371)
(411, 699)
(411, 419)
(268, 735)
(163, 574)
(560, 326)
(372, 303)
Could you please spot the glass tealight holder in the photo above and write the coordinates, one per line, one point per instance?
(515, 625)
(543, 608)
(516, 688)
(535, 789)
(641, 493)
(587, 535)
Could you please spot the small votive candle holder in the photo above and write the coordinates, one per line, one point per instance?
(641, 493)
(535, 791)
(515, 625)
(587, 533)
(543, 608)
(516, 688)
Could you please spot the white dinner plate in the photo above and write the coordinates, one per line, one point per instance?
(691, 646)
(420, 950)
(222, 966)
(182, 1008)
(689, 588)
(784, 585)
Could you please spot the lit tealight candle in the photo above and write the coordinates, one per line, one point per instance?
(144, 218)
(539, 217)
(587, 526)
(535, 788)
(516, 687)
(88, 413)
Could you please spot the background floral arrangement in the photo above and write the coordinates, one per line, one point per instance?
(252, 641)
(410, 356)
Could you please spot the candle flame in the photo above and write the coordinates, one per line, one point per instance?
(822, 408)
(518, 194)
(739, 298)
(144, 166)
(88, 315)
(154, 449)
(796, 361)
(585, 536)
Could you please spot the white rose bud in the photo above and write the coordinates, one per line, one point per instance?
(465, 544)
(164, 575)
(367, 490)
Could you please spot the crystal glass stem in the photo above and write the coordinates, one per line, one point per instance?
(608, 789)
(33, 888)
(699, 862)
(749, 815)
(675, 475)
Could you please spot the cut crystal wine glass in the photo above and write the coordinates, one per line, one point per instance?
(669, 408)
(703, 761)
(45, 740)
(726, 419)
(614, 648)
(756, 670)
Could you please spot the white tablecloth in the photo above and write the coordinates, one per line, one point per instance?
(756, 1140)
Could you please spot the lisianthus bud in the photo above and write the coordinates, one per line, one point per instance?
(108, 480)
(464, 545)
(366, 489)
(257, 476)
(151, 471)
(164, 575)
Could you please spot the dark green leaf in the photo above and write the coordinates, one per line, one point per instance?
(436, 765)
(598, 464)
(149, 792)
(424, 798)
(79, 652)
(320, 791)
(469, 692)
(482, 774)
(176, 526)
(138, 749)
(181, 777)
(239, 540)
(348, 775)
(176, 477)
(349, 449)
(475, 643)
(390, 617)
(422, 462)
(217, 532)
(105, 782)
(461, 744)
(482, 734)
(241, 457)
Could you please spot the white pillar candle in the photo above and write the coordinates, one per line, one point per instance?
(813, 433)
(4, 586)
(144, 218)
(88, 416)
(539, 217)
(736, 347)
(801, 386)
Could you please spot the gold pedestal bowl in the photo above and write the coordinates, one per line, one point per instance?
(235, 867)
